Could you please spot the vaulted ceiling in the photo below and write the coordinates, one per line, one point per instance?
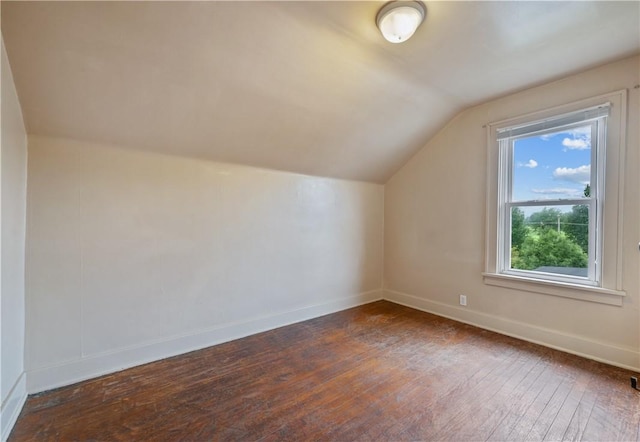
(309, 87)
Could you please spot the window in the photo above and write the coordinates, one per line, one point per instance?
(550, 197)
(554, 182)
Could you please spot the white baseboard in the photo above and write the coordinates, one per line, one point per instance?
(12, 406)
(602, 352)
(97, 365)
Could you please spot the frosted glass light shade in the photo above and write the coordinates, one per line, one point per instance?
(399, 20)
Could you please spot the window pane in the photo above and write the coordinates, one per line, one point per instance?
(552, 239)
(552, 166)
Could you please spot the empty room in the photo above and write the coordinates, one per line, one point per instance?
(320, 220)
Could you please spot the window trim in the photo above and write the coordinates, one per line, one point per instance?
(609, 290)
(595, 202)
(555, 288)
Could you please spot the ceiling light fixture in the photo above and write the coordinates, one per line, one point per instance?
(398, 20)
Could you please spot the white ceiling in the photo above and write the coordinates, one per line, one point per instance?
(309, 87)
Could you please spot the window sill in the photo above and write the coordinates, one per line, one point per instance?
(563, 289)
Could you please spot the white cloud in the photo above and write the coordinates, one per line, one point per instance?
(558, 191)
(530, 164)
(579, 175)
(576, 143)
(580, 138)
(584, 131)
(577, 139)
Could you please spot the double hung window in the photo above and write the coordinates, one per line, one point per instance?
(555, 200)
(551, 197)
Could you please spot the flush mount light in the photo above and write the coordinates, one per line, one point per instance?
(398, 20)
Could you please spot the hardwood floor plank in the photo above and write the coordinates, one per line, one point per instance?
(479, 423)
(550, 412)
(379, 372)
(612, 417)
(580, 418)
(506, 427)
(526, 423)
(468, 415)
(568, 409)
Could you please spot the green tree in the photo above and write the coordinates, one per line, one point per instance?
(518, 228)
(548, 247)
(577, 223)
(546, 218)
(576, 226)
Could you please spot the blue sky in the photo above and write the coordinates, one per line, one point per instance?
(552, 166)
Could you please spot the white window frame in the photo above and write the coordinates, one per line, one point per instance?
(607, 114)
(596, 118)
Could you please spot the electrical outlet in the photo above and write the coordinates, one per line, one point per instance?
(463, 300)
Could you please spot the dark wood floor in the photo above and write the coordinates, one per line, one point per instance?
(378, 372)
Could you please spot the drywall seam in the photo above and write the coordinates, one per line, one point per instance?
(12, 406)
(97, 365)
(577, 345)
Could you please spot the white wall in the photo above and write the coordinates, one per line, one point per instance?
(435, 230)
(135, 256)
(12, 306)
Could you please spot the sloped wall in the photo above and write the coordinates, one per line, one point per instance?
(435, 229)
